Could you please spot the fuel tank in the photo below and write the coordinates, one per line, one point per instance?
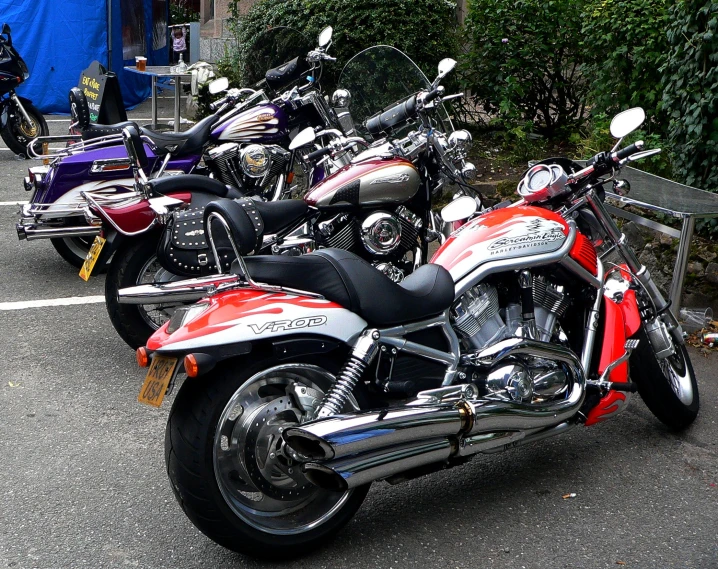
(263, 123)
(367, 183)
(506, 233)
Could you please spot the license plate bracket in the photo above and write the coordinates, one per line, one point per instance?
(161, 372)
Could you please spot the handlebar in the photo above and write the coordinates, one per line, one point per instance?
(318, 153)
(395, 115)
(626, 152)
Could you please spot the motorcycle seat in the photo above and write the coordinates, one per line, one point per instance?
(347, 279)
(91, 130)
(338, 275)
(193, 183)
(281, 214)
(182, 143)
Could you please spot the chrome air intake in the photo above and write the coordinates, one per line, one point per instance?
(349, 450)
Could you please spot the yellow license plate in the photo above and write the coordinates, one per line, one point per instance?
(91, 258)
(158, 378)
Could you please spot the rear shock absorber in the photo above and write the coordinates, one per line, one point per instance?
(335, 398)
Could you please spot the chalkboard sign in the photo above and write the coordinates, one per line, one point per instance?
(102, 91)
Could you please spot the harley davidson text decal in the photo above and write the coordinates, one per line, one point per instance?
(537, 232)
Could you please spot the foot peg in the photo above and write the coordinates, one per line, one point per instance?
(603, 383)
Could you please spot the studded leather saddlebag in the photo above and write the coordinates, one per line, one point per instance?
(184, 248)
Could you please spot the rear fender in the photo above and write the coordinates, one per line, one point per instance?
(136, 217)
(246, 316)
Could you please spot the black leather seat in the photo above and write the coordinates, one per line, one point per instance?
(182, 143)
(192, 182)
(348, 280)
(281, 214)
(91, 130)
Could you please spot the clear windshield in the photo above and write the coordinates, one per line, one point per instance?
(380, 77)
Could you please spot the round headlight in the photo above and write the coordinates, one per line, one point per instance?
(255, 160)
(461, 140)
(341, 98)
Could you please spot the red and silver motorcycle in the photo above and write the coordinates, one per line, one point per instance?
(311, 377)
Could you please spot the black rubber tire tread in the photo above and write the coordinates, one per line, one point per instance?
(655, 389)
(126, 263)
(7, 135)
(188, 456)
(62, 248)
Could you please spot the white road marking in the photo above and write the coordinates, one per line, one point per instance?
(14, 203)
(21, 305)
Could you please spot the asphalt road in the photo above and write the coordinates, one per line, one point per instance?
(83, 484)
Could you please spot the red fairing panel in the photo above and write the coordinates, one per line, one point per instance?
(614, 341)
(501, 234)
(245, 315)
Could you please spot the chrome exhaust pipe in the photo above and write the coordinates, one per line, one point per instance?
(351, 472)
(188, 290)
(31, 232)
(374, 435)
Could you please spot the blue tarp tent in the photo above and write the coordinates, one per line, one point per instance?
(59, 38)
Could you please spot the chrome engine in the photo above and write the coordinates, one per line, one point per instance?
(250, 167)
(481, 323)
(381, 234)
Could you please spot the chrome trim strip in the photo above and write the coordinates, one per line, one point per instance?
(32, 233)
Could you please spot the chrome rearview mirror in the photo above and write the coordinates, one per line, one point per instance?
(627, 121)
(218, 85)
(325, 37)
(445, 65)
(461, 208)
(303, 138)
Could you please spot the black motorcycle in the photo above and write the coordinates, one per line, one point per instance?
(20, 121)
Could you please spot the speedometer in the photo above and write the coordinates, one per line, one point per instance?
(543, 182)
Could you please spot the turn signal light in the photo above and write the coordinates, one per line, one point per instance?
(143, 359)
(290, 177)
(191, 367)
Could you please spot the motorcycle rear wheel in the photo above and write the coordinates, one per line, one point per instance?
(135, 263)
(223, 451)
(18, 133)
(74, 250)
(668, 386)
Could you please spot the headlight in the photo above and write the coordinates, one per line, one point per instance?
(184, 315)
(460, 140)
(341, 98)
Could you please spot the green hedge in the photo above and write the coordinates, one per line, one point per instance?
(691, 92)
(524, 61)
(424, 29)
(628, 38)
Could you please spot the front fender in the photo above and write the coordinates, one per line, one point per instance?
(250, 315)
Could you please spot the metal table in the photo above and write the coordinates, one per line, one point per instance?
(156, 71)
(658, 194)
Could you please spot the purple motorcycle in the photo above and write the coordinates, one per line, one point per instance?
(243, 145)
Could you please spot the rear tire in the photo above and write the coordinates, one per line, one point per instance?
(668, 386)
(217, 458)
(135, 263)
(74, 250)
(17, 132)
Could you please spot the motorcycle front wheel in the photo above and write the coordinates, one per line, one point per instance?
(135, 263)
(667, 386)
(18, 132)
(227, 463)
